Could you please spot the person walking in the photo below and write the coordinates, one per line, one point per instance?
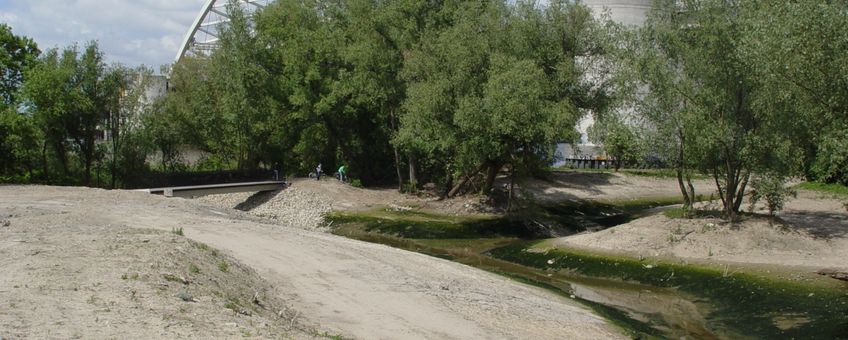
(318, 172)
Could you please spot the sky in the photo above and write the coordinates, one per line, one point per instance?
(131, 32)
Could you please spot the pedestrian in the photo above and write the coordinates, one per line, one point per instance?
(318, 172)
(342, 175)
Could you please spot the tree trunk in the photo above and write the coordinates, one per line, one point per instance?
(740, 194)
(730, 186)
(464, 180)
(397, 155)
(718, 185)
(448, 181)
(413, 172)
(397, 168)
(692, 199)
(511, 186)
(44, 160)
(491, 175)
(114, 152)
(687, 203)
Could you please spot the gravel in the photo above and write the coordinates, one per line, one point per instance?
(291, 206)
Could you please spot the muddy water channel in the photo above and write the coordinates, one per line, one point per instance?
(646, 298)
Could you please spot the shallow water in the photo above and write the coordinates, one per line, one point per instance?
(648, 300)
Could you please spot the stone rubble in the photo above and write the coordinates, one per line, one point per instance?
(291, 206)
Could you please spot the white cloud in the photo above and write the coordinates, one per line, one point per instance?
(9, 18)
(129, 31)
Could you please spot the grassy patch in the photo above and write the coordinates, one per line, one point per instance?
(661, 173)
(223, 266)
(677, 213)
(833, 189)
(177, 231)
(746, 303)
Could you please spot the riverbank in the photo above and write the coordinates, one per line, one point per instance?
(812, 233)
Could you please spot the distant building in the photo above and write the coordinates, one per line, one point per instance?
(627, 12)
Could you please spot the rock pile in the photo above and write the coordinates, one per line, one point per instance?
(291, 206)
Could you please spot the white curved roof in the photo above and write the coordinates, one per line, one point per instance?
(202, 36)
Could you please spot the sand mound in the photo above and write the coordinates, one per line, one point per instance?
(811, 232)
(64, 280)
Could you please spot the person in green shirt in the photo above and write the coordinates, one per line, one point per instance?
(342, 173)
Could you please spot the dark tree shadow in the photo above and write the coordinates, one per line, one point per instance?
(583, 181)
(819, 224)
(257, 199)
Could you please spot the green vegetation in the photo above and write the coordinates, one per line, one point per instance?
(415, 225)
(833, 189)
(745, 303)
(177, 231)
(223, 266)
(451, 93)
(714, 91)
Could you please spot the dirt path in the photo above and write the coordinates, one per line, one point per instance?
(565, 186)
(349, 287)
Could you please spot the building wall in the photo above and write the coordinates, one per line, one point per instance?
(628, 12)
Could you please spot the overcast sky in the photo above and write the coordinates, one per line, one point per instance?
(131, 32)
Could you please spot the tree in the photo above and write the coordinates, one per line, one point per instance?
(700, 95)
(500, 83)
(16, 54)
(796, 52)
(18, 138)
(127, 107)
(242, 82)
(68, 97)
(619, 141)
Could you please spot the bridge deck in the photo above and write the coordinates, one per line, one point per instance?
(202, 190)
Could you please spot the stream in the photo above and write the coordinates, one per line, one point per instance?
(647, 299)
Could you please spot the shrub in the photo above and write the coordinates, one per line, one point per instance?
(773, 190)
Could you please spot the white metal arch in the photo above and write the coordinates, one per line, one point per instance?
(202, 36)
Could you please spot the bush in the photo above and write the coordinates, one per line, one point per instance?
(773, 190)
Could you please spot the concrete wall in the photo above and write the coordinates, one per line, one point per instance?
(628, 12)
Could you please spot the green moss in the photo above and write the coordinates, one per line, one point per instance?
(745, 303)
(418, 225)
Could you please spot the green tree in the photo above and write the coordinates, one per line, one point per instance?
(18, 138)
(16, 54)
(700, 95)
(499, 84)
(241, 82)
(619, 140)
(796, 52)
(68, 95)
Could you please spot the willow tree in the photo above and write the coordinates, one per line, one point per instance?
(498, 84)
(797, 52)
(699, 93)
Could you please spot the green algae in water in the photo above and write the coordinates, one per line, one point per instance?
(401, 225)
(743, 303)
(740, 304)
